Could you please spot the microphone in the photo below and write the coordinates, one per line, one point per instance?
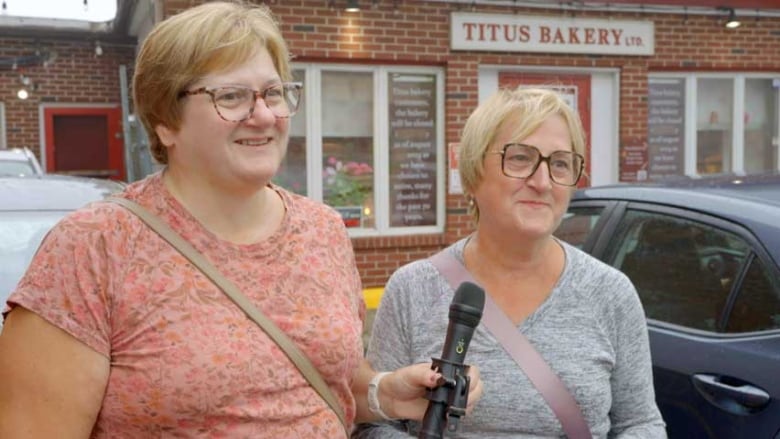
(450, 395)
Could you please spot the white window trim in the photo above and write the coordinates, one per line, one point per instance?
(3, 131)
(313, 93)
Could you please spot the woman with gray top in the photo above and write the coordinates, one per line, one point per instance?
(520, 160)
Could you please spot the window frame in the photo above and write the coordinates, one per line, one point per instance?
(739, 282)
(3, 131)
(605, 242)
(738, 109)
(312, 79)
(606, 217)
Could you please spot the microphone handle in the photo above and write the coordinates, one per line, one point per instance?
(433, 422)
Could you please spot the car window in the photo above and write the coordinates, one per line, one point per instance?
(16, 168)
(757, 306)
(577, 224)
(683, 270)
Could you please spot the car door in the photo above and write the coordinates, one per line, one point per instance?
(713, 305)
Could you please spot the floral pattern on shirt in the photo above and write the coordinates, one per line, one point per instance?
(185, 361)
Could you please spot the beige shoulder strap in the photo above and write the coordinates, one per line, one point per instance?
(515, 343)
(295, 355)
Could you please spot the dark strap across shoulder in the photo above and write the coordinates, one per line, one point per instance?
(299, 359)
(549, 385)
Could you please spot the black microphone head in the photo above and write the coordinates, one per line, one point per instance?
(467, 304)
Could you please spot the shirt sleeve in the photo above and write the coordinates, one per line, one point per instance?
(634, 413)
(67, 280)
(388, 350)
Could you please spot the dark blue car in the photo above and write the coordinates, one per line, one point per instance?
(703, 255)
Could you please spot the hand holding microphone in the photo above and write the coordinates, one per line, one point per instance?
(403, 392)
(448, 400)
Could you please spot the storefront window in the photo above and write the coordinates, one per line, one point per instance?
(348, 145)
(292, 173)
(715, 106)
(760, 120)
(369, 142)
(2, 126)
(736, 129)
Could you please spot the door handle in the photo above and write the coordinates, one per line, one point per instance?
(724, 395)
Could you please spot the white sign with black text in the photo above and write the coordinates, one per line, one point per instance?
(519, 33)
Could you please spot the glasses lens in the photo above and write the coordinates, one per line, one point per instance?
(520, 160)
(276, 100)
(292, 98)
(565, 167)
(234, 103)
(283, 99)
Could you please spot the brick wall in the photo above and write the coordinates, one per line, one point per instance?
(74, 75)
(418, 33)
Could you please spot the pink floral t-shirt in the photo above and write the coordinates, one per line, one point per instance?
(185, 361)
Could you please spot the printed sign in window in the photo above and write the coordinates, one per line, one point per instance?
(412, 136)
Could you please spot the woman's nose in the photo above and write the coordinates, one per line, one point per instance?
(261, 114)
(541, 177)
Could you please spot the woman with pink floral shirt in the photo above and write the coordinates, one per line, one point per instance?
(114, 334)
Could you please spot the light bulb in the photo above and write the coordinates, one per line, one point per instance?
(22, 94)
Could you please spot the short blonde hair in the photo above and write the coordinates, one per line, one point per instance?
(532, 106)
(182, 49)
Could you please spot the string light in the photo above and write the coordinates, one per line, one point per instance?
(22, 93)
(731, 22)
(352, 6)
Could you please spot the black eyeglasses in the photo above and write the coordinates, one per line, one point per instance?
(237, 104)
(521, 161)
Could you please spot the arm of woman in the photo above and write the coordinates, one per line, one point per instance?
(387, 351)
(52, 384)
(634, 412)
(401, 393)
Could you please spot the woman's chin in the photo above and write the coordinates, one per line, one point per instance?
(256, 177)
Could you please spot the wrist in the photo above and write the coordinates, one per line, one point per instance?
(374, 405)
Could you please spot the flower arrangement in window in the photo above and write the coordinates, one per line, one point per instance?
(346, 184)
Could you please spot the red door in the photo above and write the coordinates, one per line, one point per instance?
(84, 141)
(573, 87)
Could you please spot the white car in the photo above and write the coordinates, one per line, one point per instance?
(19, 162)
(29, 207)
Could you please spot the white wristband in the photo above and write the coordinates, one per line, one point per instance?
(373, 396)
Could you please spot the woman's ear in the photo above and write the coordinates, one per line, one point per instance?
(166, 135)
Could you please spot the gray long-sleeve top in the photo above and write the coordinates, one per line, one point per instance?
(591, 330)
